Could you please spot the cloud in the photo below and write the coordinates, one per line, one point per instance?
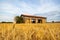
(18, 7)
(51, 16)
(8, 11)
(6, 18)
(44, 7)
(9, 8)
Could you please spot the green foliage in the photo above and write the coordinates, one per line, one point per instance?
(19, 19)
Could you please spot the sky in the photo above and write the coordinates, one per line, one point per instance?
(47, 8)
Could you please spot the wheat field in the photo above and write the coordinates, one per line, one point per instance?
(46, 31)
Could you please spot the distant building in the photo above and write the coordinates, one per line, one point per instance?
(33, 19)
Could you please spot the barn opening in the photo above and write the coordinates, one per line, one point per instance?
(33, 21)
(39, 21)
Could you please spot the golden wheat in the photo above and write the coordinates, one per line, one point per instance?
(47, 31)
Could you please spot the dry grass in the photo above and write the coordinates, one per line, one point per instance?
(48, 31)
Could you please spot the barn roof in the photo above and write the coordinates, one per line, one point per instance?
(33, 16)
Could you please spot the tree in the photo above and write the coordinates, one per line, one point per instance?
(19, 19)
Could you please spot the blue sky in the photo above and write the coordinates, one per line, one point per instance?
(11, 8)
